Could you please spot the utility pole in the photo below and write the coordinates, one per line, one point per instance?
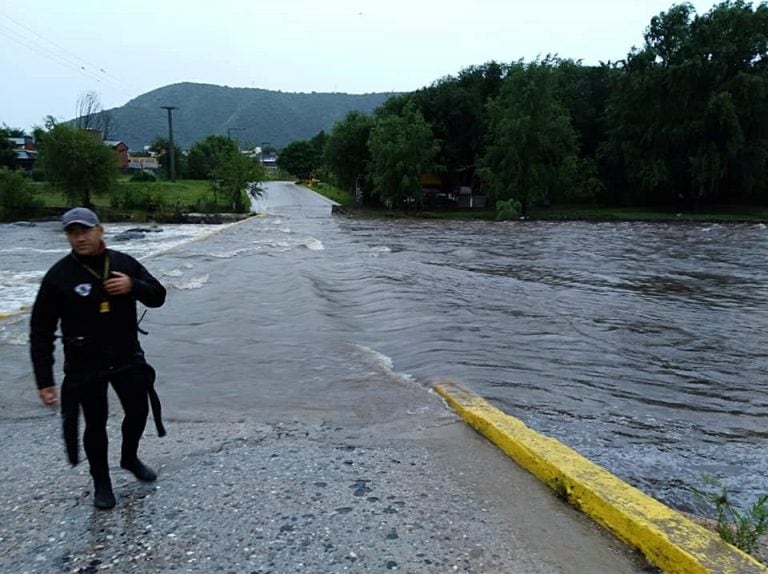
(171, 147)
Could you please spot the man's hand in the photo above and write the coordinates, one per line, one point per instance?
(49, 396)
(118, 284)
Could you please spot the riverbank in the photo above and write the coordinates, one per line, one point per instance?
(108, 215)
(729, 215)
(182, 201)
(564, 212)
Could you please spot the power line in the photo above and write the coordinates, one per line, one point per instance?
(62, 48)
(61, 54)
(14, 37)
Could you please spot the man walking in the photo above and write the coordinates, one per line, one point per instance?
(92, 294)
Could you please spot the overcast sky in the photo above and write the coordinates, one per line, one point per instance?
(53, 51)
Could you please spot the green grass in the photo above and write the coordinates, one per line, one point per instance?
(742, 528)
(554, 213)
(142, 200)
(44, 193)
(182, 191)
(343, 198)
(196, 195)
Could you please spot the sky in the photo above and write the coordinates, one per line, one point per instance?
(52, 52)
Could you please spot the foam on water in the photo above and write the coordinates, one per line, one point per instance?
(173, 273)
(24, 267)
(313, 244)
(379, 251)
(191, 283)
(230, 254)
(18, 290)
(27, 251)
(379, 363)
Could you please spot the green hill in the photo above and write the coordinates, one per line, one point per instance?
(204, 109)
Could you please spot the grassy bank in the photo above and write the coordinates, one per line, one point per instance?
(165, 200)
(142, 200)
(724, 214)
(343, 198)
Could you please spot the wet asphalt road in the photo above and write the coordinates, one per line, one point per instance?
(330, 496)
(342, 478)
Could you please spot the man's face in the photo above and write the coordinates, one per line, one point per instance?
(84, 240)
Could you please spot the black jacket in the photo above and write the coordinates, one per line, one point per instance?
(93, 340)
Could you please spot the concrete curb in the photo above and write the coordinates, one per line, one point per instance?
(668, 540)
(16, 313)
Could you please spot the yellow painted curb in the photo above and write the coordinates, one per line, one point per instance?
(668, 539)
(14, 314)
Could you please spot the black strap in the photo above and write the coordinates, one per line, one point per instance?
(70, 405)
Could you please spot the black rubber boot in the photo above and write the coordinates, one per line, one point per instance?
(103, 497)
(140, 470)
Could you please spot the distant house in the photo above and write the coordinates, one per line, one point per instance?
(470, 198)
(269, 161)
(120, 148)
(142, 162)
(438, 193)
(23, 142)
(26, 154)
(25, 159)
(121, 151)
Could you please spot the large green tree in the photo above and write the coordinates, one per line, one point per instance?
(208, 154)
(346, 151)
(455, 108)
(402, 148)
(688, 116)
(236, 175)
(16, 197)
(299, 158)
(77, 163)
(531, 151)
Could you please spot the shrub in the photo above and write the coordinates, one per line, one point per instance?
(143, 175)
(742, 529)
(16, 197)
(509, 209)
(137, 196)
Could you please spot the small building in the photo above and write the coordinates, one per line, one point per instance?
(26, 154)
(121, 151)
(468, 198)
(23, 142)
(25, 159)
(142, 163)
(269, 161)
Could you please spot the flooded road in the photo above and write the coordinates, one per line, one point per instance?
(640, 345)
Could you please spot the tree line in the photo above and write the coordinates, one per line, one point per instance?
(681, 122)
(74, 161)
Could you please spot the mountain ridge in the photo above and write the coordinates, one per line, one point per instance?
(254, 116)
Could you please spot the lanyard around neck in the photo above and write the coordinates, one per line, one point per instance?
(92, 271)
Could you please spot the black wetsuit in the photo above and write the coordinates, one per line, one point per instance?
(100, 337)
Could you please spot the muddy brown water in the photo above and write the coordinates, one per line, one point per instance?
(640, 345)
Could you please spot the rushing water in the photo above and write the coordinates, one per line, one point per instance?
(640, 345)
